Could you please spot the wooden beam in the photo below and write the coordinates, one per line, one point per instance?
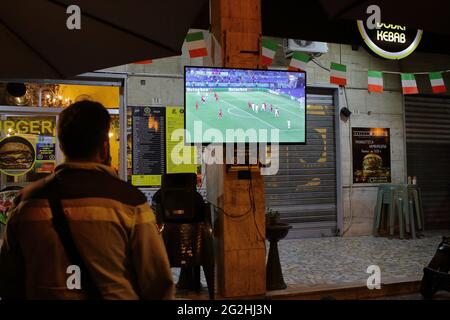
(241, 253)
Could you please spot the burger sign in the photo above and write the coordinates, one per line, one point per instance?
(17, 156)
(371, 155)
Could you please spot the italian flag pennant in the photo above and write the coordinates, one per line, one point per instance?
(437, 82)
(196, 44)
(269, 48)
(299, 61)
(144, 62)
(338, 74)
(409, 83)
(375, 81)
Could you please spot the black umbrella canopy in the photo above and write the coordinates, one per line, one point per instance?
(432, 15)
(36, 43)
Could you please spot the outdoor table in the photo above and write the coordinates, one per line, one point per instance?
(274, 274)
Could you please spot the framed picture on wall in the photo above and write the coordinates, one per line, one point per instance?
(371, 155)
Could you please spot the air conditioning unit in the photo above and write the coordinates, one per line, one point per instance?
(314, 48)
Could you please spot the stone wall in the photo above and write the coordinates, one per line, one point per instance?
(161, 82)
(368, 110)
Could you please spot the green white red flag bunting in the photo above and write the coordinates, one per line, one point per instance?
(268, 51)
(144, 62)
(196, 44)
(437, 82)
(338, 74)
(299, 61)
(375, 83)
(409, 83)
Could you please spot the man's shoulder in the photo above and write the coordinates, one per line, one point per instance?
(125, 192)
(86, 184)
(33, 190)
(97, 184)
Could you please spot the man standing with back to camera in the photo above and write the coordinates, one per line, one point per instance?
(83, 219)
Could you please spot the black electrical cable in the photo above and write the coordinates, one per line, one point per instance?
(252, 208)
(234, 216)
(321, 66)
(252, 199)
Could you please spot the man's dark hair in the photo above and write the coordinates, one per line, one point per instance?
(82, 129)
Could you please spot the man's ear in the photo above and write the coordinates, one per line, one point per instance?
(106, 156)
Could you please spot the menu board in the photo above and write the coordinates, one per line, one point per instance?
(180, 158)
(148, 145)
(45, 154)
(371, 155)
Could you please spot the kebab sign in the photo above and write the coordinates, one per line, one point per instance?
(388, 40)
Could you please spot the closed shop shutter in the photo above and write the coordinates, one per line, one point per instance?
(428, 155)
(304, 189)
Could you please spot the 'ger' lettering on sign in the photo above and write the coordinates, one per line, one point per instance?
(27, 127)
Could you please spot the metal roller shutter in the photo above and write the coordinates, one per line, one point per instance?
(304, 189)
(428, 155)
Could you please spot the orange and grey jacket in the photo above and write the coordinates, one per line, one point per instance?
(113, 228)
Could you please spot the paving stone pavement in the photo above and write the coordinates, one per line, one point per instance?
(340, 260)
(345, 260)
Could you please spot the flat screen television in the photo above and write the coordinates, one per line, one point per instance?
(224, 105)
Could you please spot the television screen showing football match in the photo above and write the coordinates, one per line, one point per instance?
(242, 105)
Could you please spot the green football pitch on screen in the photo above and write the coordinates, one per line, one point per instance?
(222, 110)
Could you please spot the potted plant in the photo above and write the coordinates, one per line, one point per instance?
(272, 217)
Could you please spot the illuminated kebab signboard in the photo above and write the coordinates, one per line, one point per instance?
(390, 41)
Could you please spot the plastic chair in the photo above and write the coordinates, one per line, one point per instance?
(416, 198)
(385, 199)
(187, 231)
(401, 203)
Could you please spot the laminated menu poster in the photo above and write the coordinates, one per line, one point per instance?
(180, 158)
(45, 154)
(371, 155)
(148, 145)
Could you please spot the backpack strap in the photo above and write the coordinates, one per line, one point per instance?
(62, 228)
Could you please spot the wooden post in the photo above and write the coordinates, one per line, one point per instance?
(239, 229)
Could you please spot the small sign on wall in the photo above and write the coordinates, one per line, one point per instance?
(371, 155)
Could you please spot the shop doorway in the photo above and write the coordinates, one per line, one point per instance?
(305, 190)
(29, 111)
(428, 155)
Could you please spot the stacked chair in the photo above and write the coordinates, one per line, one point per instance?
(187, 229)
(399, 204)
